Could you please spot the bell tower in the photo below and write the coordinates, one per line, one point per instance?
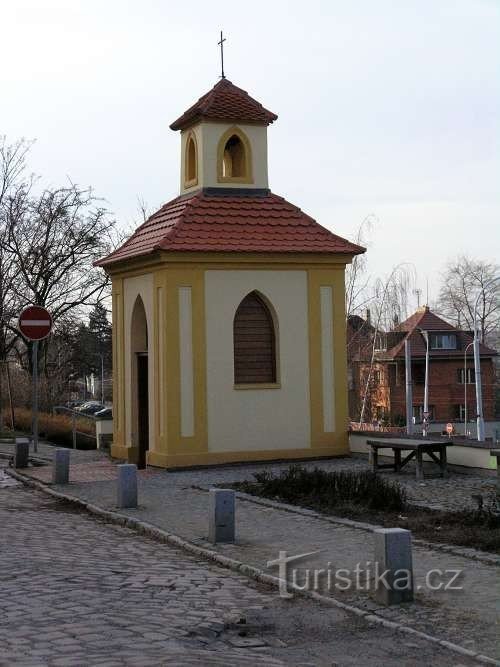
(224, 141)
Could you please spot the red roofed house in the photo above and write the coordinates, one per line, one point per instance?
(228, 309)
(451, 372)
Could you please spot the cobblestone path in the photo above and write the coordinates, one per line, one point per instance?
(76, 591)
(175, 502)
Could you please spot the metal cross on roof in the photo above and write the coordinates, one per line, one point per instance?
(221, 44)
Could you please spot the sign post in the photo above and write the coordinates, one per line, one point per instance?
(34, 399)
(35, 324)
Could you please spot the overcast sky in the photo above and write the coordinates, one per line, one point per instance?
(387, 108)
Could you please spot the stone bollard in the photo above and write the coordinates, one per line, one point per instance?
(221, 515)
(60, 466)
(393, 560)
(127, 485)
(496, 453)
(21, 452)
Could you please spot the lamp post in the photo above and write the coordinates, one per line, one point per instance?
(425, 420)
(409, 388)
(465, 390)
(477, 364)
(98, 354)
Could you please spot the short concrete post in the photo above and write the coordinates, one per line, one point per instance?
(394, 568)
(221, 515)
(60, 466)
(127, 485)
(21, 452)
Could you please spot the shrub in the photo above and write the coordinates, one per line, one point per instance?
(57, 428)
(329, 489)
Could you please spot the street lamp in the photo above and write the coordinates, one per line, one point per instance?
(477, 364)
(465, 390)
(425, 420)
(98, 354)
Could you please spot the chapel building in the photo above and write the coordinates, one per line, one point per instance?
(229, 338)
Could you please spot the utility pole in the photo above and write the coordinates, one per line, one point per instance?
(409, 388)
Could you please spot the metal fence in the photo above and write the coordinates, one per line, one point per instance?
(75, 415)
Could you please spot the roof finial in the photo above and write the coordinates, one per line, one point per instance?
(221, 44)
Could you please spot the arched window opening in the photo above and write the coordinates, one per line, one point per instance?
(234, 162)
(254, 342)
(139, 327)
(191, 171)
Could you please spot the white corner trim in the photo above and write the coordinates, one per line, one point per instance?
(186, 361)
(327, 370)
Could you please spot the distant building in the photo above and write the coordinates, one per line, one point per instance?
(451, 370)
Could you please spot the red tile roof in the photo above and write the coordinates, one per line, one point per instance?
(425, 320)
(204, 222)
(225, 102)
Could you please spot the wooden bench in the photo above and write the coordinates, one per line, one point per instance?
(436, 450)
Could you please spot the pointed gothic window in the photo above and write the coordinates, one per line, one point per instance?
(254, 342)
(191, 167)
(234, 157)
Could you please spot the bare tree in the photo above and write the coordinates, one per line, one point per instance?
(48, 241)
(12, 173)
(356, 280)
(464, 281)
(389, 304)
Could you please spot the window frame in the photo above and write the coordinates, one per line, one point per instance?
(190, 139)
(435, 336)
(248, 161)
(272, 319)
(470, 374)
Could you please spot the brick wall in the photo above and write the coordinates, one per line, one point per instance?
(445, 390)
(387, 395)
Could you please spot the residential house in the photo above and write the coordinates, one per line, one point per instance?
(451, 371)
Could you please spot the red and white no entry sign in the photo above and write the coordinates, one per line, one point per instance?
(35, 323)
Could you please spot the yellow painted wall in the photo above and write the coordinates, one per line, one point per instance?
(170, 441)
(118, 448)
(337, 441)
(168, 447)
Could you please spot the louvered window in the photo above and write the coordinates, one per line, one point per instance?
(254, 342)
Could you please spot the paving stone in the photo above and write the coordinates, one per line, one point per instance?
(70, 599)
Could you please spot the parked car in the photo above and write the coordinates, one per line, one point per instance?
(107, 413)
(90, 407)
(74, 404)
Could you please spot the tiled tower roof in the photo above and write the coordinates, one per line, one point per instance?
(225, 102)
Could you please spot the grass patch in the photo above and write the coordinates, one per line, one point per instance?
(371, 498)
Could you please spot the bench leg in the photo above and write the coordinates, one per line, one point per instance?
(374, 459)
(397, 460)
(443, 464)
(420, 466)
